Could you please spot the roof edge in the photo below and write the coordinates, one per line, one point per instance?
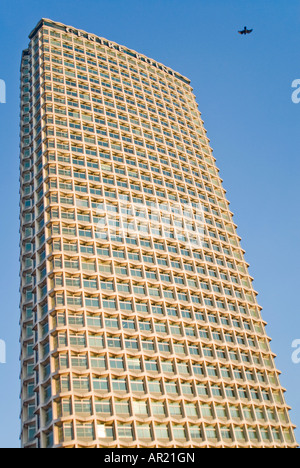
(43, 21)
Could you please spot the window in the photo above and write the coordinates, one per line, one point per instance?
(158, 408)
(211, 432)
(143, 431)
(140, 408)
(151, 365)
(125, 431)
(154, 386)
(161, 431)
(103, 407)
(195, 432)
(133, 364)
(119, 385)
(85, 431)
(122, 408)
(137, 385)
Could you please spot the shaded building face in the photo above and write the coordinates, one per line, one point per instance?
(139, 323)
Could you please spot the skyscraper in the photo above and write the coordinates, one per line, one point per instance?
(139, 322)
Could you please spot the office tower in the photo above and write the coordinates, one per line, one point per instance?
(140, 325)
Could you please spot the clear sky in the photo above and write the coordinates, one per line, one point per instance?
(243, 88)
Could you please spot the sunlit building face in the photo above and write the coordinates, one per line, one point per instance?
(139, 323)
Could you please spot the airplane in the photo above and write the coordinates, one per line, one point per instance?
(245, 31)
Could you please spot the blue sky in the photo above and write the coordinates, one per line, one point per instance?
(243, 88)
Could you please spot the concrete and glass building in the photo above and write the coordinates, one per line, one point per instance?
(139, 322)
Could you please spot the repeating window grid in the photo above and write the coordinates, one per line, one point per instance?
(140, 347)
(114, 288)
(27, 336)
(173, 420)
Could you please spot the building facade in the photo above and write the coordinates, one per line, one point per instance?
(139, 323)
